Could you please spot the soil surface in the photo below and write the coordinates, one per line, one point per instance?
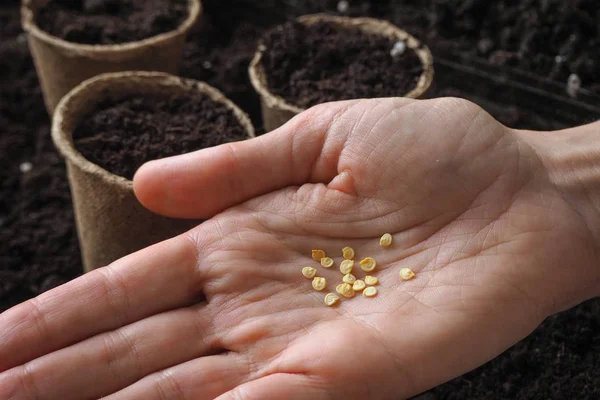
(110, 21)
(38, 242)
(220, 57)
(220, 50)
(549, 38)
(121, 136)
(318, 63)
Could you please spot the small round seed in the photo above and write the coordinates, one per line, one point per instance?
(359, 286)
(326, 262)
(309, 272)
(349, 278)
(370, 291)
(346, 266)
(348, 253)
(368, 264)
(345, 290)
(406, 274)
(319, 283)
(318, 254)
(386, 240)
(331, 299)
(371, 280)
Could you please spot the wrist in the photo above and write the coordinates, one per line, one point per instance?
(571, 159)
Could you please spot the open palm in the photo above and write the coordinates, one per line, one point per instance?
(224, 312)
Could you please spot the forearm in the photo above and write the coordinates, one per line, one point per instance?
(572, 163)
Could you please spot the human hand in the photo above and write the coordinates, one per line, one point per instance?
(495, 245)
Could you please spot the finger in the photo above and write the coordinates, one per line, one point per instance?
(203, 183)
(159, 278)
(279, 387)
(203, 378)
(111, 361)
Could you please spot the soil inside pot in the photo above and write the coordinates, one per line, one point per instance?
(120, 136)
(312, 64)
(548, 38)
(110, 21)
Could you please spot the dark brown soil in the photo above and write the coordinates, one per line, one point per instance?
(510, 115)
(548, 38)
(220, 50)
(110, 21)
(220, 57)
(318, 63)
(121, 136)
(560, 360)
(38, 241)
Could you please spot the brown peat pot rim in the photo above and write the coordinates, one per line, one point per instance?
(370, 25)
(116, 51)
(111, 222)
(76, 103)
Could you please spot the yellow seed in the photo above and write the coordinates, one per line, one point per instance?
(331, 299)
(406, 274)
(318, 254)
(386, 240)
(319, 283)
(371, 280)
(348, 253)
(346, 266)
(345, 289)
(370, 291)
(309, 272)
(368, 264)
(359, 286)
(326, 262)
(349, 278)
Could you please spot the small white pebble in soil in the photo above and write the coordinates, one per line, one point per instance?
(22, 38)
(25, 167)
(573, 85)
(207, 65)
(398, 49)
(485, 45)
(560, 59)
(343, 6)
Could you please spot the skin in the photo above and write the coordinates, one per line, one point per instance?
(499, 226)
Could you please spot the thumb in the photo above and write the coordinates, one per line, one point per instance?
(205, 182)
